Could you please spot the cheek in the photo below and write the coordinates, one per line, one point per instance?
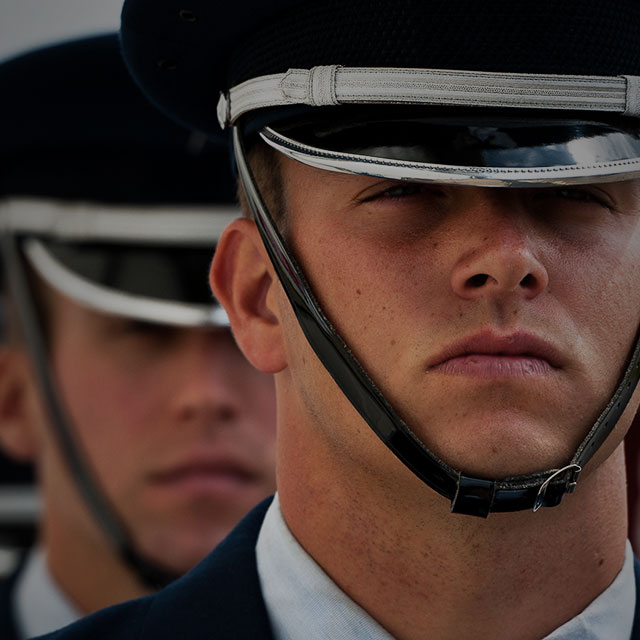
(371, 290)
(599, 287)
(105, 404)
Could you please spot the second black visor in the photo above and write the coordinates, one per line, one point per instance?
(162, 284)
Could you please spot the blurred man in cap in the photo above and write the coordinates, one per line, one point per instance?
(440, 265)
(120, 379)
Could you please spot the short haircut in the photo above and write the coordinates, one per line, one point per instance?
(265, 166)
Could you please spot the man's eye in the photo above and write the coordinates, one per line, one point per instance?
(144, 328)
(402, 190)
(139, 326)
(581, 195)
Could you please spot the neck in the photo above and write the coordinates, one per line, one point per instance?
(396, 548)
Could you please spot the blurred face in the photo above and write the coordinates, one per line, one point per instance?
(178, 427)
(496, 321)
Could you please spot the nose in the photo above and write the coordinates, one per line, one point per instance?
(204, 389)
(499, 259)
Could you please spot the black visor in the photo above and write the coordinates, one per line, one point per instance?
(159, 272)
(461, 146)
(149, 263)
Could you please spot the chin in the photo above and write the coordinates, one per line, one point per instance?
(495, 467)
(181, 546)
(504, 444)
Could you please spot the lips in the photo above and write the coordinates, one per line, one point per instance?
(206, 475)
(490, 354)
(197, 469)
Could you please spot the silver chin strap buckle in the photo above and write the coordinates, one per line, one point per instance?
(572, 469)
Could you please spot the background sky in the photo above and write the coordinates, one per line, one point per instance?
(25, 24)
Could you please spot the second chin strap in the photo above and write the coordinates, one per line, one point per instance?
(150, 574)
(468, 495)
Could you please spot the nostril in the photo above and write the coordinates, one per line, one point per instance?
(528, 281)
(215, 413)
(478, 280)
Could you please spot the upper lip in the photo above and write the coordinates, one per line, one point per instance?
(519, 343)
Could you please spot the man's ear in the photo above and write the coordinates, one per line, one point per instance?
(243, 281)
(18, 433)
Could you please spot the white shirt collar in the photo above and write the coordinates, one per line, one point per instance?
(39, 604)
(299, 595)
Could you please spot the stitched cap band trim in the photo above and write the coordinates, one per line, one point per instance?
(332, 85)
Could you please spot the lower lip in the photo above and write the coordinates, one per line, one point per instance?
(494, 366)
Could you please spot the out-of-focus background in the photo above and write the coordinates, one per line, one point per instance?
(30, 23)
(24, 25)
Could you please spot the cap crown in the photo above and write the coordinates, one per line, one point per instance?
(75, 126)
(183, 58)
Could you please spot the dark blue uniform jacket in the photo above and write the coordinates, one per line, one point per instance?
(218, 599)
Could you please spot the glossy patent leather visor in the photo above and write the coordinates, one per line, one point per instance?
(149, 265)
(463, 147)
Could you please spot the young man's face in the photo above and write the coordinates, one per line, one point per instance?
(178, 427)
(496, 321)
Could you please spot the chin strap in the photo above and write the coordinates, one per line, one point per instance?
(468, 495)
(150, 574)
